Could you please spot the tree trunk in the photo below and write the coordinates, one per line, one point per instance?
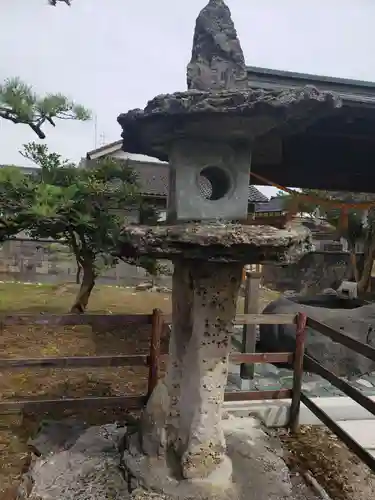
(78, 274)
(87, 285)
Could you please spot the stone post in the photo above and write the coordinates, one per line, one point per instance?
(204, 308)
(201, 439)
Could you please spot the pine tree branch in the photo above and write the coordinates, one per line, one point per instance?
(54, 2)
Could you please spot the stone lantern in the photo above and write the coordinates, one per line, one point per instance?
(207, 134)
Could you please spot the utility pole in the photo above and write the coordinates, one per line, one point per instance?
(95, 131)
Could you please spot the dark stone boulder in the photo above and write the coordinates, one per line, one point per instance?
(311, 274)
(350, 317)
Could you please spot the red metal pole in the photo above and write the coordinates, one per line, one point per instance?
(301, 320)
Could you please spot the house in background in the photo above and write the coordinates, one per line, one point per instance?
(325, 236)
(270, 213)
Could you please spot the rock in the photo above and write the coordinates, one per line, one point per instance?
(153, 421)
(313, 273)
(289, 293)
(140, 494)
(163, 289)
(53, 437)
(365, 383)
(89, 468)
(217, 61)
(142, 287)
(149, 287)
(329, 291)
(358, 323)
(82, 468)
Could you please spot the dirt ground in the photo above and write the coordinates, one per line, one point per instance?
(27, 341)
(342, 475)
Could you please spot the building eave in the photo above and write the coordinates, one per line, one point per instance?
(349, 90)
(107, 149)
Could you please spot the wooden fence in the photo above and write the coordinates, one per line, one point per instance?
(153, 360)
(157, 322)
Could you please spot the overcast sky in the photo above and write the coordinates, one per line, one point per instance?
(113, 55)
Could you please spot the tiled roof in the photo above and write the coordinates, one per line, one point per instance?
(25, 170)
(276, 204)
(153, 179)
(255, 196)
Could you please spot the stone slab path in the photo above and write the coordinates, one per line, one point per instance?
(363, 431)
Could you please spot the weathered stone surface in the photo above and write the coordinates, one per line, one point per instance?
(183, 414)
(83, 467)
(216, 242)
(358, 323)
(227, 116)
(200, 440)
(217, 61)
(259, 471)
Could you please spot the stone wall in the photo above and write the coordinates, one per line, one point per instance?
(51, 262)
(312, 274)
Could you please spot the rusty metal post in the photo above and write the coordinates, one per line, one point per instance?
(297, 372)
(156, 332)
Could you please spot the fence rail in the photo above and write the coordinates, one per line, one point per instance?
(74, 319)
(256, 319)
(76, 362)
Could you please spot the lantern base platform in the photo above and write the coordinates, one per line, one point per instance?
(253, 469)
(216, 242)
(160, 475)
